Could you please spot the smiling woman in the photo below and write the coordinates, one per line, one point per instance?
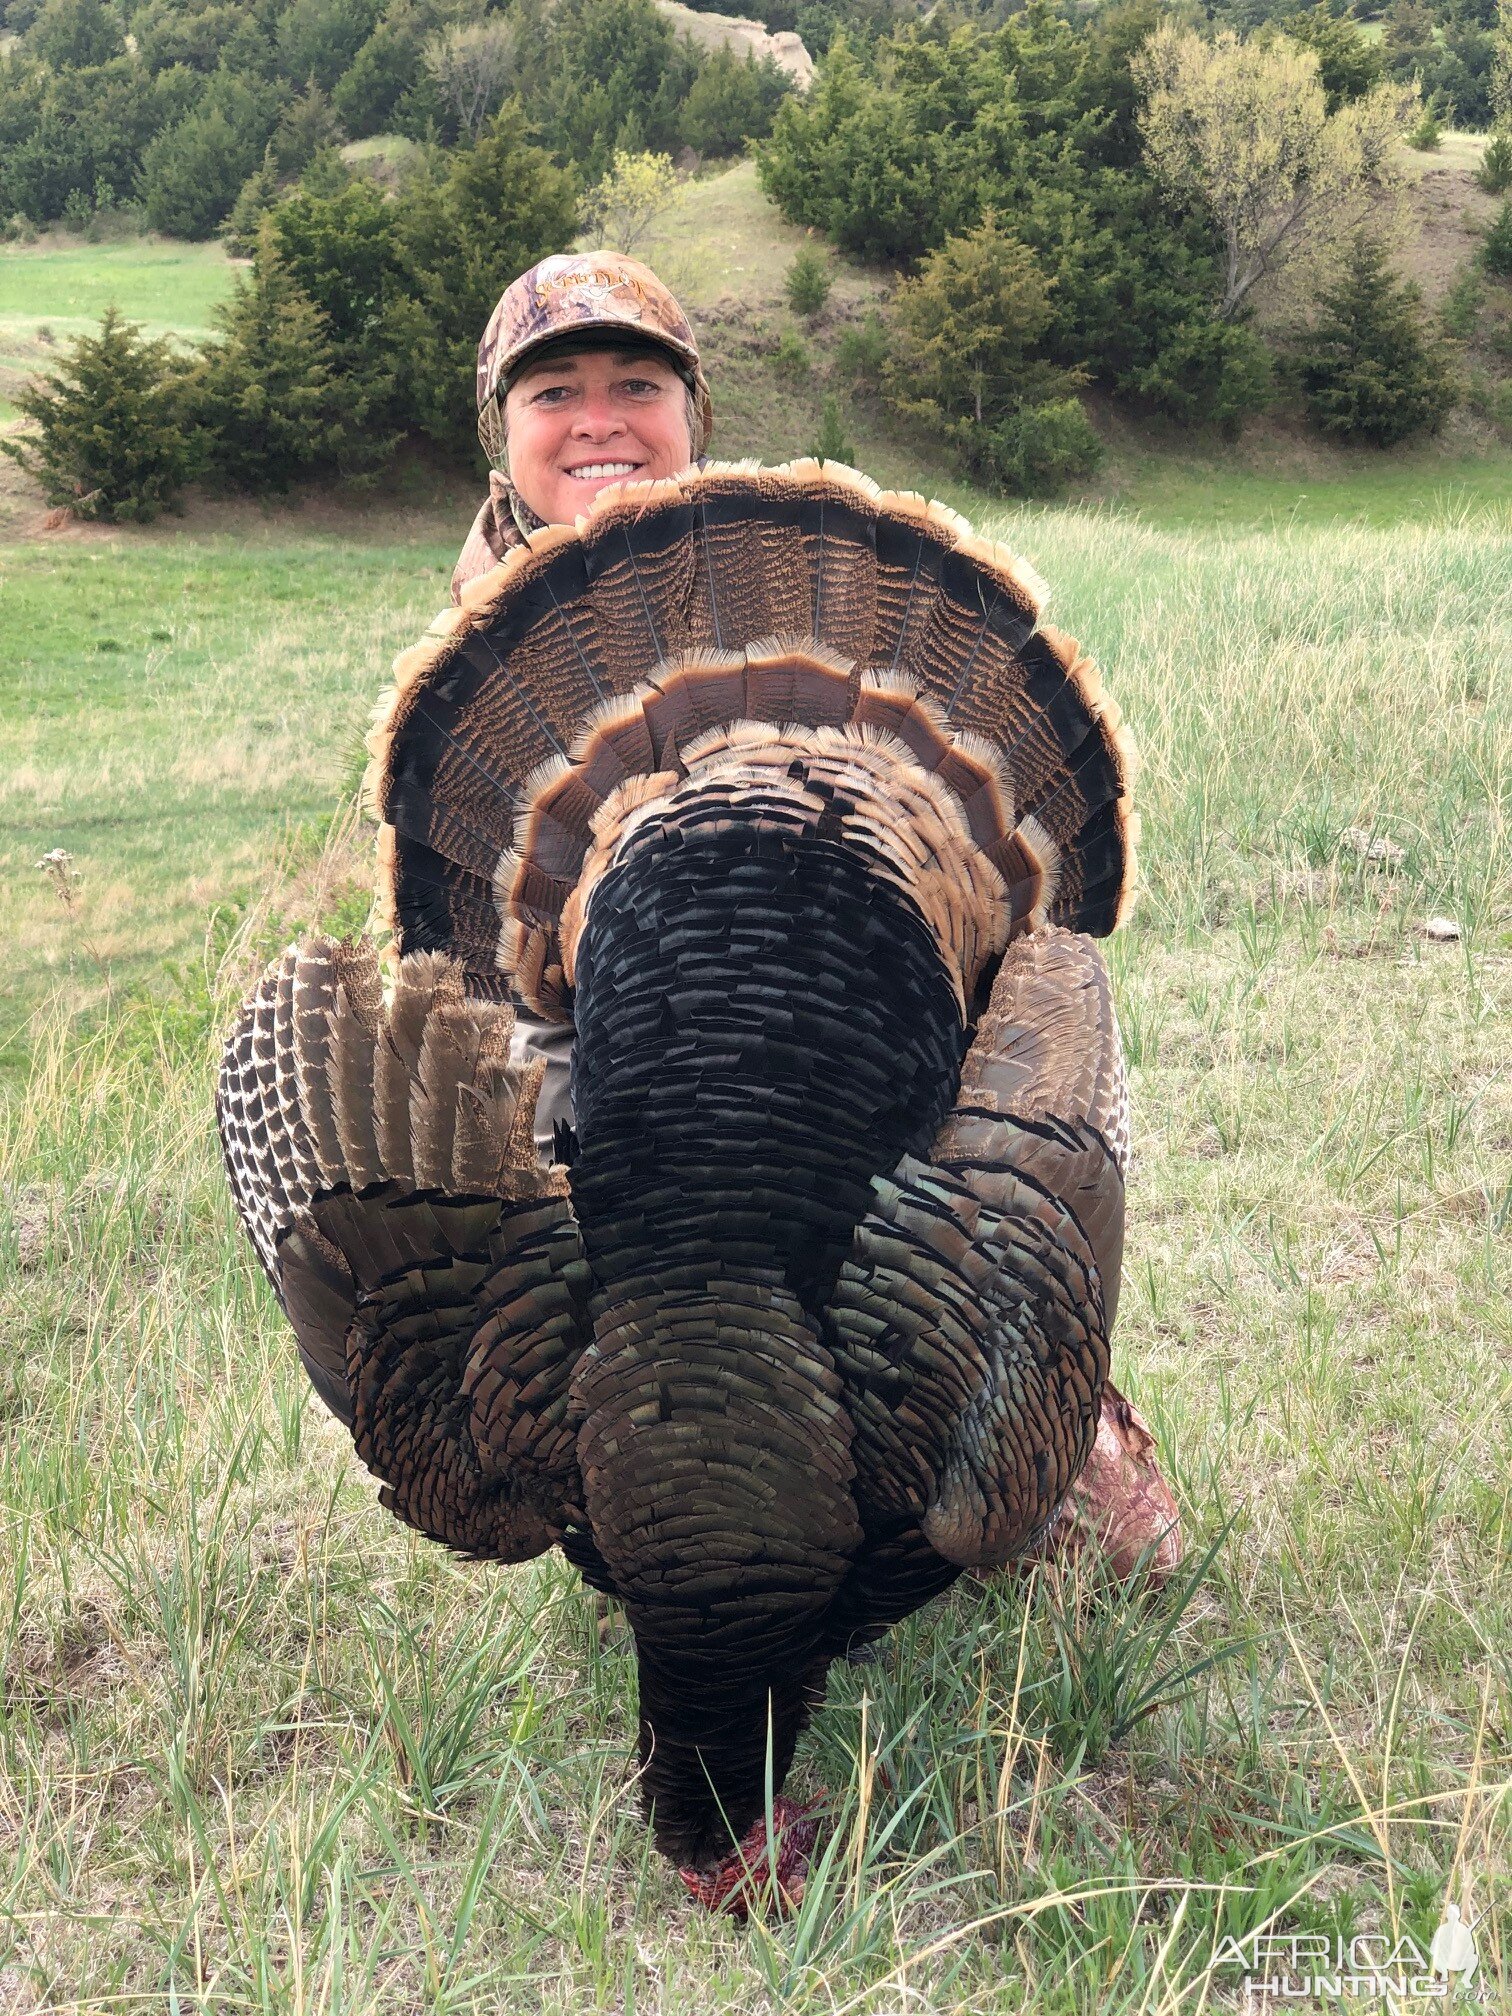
(588, 374)
(580, 417)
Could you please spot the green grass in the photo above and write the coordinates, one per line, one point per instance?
(263, 1749)
(1422, 487)
(174, 713)
(260, 1748)
(171, 287)
(381, 147)
(384, 155)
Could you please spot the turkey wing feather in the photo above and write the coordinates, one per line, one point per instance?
(971, 1320)
(383, 1161)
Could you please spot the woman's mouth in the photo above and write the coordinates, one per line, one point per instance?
(596, 472)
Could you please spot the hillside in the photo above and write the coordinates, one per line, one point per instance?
(1449, 212)
(725, 250)
(263, 1749)
(745, 37)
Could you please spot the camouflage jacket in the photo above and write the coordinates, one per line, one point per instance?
(495, 529)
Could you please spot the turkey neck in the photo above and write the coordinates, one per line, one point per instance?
(762, 1028)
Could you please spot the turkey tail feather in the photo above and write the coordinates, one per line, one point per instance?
(971, 1321)
(597, 652)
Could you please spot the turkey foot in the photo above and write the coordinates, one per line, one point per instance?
(737, 1883)
(1120, 1506)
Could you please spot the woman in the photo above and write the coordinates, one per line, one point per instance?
(589, 374)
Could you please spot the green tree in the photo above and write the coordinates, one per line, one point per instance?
(75, 34)
(965, 326)
(896, 149)
(192, 172)
(639, 188)
(1495, 171)
(1349, 67)
(890, 160)
(865, 22)
(247, 52)
(255, 199)
(113, 436)
(1496, 246)
(833, 443)
(1207, 370)
(320, 38)
(1410, 43)
(1243, 129)
(342, 251)
(1042, 447)
(733, 99)
(167, 34)
(267, 393)
(194, 169)
(306, 127)
(1371, 369)
(807, 281)
(863, 350)
(81, 131)
(473, 66)
(602, 76)
(1462, 84)
(461, 237)
(385, 69)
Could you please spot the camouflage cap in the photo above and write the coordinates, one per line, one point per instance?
(579, 292)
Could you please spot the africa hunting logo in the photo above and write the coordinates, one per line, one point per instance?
(1301, 1966)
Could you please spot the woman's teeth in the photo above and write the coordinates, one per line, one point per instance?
(594, 472)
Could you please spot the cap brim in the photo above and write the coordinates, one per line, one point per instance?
(597, 336)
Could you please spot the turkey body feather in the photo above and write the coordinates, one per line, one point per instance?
(768, 783)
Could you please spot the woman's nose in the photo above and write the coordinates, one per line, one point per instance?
(596, 417)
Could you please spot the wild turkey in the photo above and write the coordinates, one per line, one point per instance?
(768, 782)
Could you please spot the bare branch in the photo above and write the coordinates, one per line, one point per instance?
(473, 64)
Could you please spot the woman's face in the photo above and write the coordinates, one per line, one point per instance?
(580, 422)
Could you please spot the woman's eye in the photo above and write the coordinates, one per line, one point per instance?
(638, 388)
(552, 395)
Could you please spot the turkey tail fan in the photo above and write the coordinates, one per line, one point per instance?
(587, 662)
(1048, 1054)
(322, 1087)
(267, 1171)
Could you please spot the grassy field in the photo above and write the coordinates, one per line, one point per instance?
(59, 288)
(724, 250)
(168, 285)
(262, 1749)
(201, 676)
